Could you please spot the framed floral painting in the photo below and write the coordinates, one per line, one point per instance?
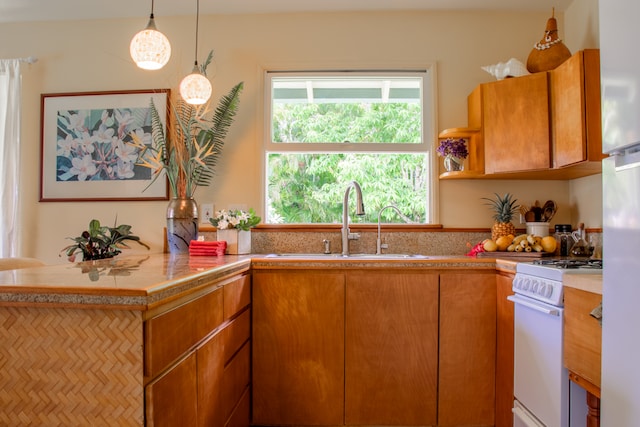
(86, 150)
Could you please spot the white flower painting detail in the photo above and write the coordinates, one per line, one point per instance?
(94, 145)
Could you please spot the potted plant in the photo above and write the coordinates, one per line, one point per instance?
(187, 154)
(234, 227)
(454, 152)
(100, 242)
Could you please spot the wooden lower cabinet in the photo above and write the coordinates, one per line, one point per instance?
(391, 349)
(298, 347)
(374, 347)
(172, 399)
(467, 356)
(504, 354)
(203, 379)
(583, 346)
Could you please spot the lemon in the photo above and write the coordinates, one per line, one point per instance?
(503, 242)
(490, 246)
(548, 244)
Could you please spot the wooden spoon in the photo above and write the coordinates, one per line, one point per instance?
(549, 210)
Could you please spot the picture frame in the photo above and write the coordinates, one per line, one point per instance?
(85, 150)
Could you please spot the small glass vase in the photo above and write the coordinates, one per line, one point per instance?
(453, 164)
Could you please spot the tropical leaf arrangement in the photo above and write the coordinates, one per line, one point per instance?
(190, 150)
(100, 242)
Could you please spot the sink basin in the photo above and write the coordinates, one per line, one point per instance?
(351, 256)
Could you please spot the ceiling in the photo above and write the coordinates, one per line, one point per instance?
(48, 10)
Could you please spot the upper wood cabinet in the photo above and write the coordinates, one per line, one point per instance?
(515, 121)
(541, 126)
(575, 110)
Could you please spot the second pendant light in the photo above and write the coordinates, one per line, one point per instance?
(196, 88)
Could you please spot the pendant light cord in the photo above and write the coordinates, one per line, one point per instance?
(151, 10)
(197, 21)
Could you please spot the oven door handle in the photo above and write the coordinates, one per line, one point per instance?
(532, 305)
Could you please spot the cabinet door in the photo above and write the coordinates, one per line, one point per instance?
(172, 399)
(575, 109)
(210, 359)
(170, 335)
(515, 118)
(391, 348)
(504, 356)
(582, 338)
(467, 349)
(298, 348)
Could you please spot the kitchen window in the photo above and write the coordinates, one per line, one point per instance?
(326, 129)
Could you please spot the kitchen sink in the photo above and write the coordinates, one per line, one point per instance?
(351, 256)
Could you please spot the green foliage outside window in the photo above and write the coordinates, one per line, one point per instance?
(309, 187)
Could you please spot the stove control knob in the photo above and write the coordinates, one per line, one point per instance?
(543, 290)
(526, 284)
(549, 291)
(534, 286)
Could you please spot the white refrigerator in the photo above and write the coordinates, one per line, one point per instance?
(620, 74)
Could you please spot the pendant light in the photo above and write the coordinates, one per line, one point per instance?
(196, 88)
(149, 48)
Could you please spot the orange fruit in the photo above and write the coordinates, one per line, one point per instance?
(490, 246)
(503, 242)
(548, 244)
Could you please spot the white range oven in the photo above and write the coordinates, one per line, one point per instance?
(544, 396)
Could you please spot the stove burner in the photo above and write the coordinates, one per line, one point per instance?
(571, 263)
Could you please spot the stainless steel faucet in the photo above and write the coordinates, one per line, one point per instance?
(346, 233)
(379, 245)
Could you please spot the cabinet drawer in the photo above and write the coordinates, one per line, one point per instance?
(171, 400)
(582, 334)
(237, 295)
(240, 415)
(173, 333)
(236, 334)
(236, 379)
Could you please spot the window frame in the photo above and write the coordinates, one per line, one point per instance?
(429, 133)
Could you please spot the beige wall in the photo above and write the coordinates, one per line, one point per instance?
(582, 32)
(93, 56)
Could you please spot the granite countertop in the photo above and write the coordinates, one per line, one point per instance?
(265, 261)
(138, 282)
(131, 282)
(586, 282)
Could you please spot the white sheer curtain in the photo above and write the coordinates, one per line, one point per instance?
(9, 155)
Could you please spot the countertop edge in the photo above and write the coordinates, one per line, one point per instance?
(586, 282)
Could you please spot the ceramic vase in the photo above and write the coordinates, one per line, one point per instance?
(238, 241)
(182, 224)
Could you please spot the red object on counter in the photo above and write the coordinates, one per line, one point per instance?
(203, 248)
(475, 250)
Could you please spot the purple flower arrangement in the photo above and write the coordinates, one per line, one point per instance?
(453, 147)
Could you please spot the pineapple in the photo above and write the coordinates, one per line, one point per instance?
(504, 208)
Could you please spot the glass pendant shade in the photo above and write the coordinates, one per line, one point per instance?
(195, 89)
(150, 49)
